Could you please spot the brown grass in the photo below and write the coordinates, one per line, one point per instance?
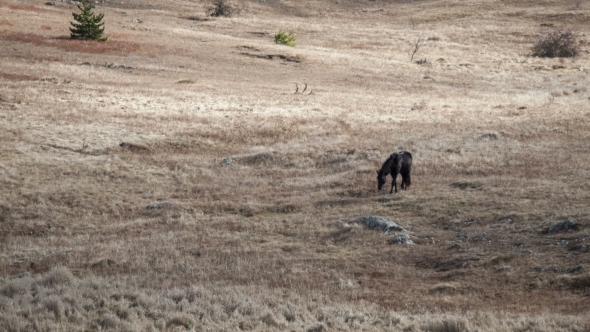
(27, 8)
(118, 211)
(66, 44)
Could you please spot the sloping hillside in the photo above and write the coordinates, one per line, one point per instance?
(191, 174)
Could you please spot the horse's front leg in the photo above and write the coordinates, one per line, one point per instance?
(393, 184)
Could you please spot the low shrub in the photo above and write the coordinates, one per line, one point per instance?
(222, 8)
(284, 38)
(557, 43)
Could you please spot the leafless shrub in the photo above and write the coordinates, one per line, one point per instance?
(222, 8)
(417, 45)
(557, 43)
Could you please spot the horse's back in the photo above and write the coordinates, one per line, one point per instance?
(406, 159)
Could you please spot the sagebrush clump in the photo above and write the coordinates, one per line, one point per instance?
(222, 8)
(284, 38)
(557, 43)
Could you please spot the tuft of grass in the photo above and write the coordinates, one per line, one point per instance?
(447, 325)
(181, 320)
(58, 276)
(502, 259)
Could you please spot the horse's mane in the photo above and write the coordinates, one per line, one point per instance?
(386, 167)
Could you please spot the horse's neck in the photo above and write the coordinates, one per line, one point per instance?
(386, 169)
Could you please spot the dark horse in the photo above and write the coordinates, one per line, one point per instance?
(397, 163)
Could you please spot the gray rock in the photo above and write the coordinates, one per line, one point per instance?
(158, 206)
(227, 161)
(562, 226)
(401, 239)
(469, 222)
(574, 269)
(378, 223)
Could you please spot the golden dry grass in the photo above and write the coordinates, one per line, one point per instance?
(158, 234)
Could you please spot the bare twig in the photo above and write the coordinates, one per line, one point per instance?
(302, 91)
(419, 43)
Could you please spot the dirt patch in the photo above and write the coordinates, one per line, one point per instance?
(71, 45)
(17, 77)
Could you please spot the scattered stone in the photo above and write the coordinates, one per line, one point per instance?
(49, 80)
(378, 223)
(158, 206)
(505, 220)
(562, 226)
(466, 185)
(562, 242)
(137, 21)
(185, 82)
(469, 222)
(401, 239)
(104, 263)
(115, 66)
(574, 269)
(227, 161)
(488, 136)
(579, 247)
(539, 268)
(133, 147)
(50, 3)
(85, 64)
(455, 246)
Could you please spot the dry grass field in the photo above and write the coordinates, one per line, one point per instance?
(118, 212)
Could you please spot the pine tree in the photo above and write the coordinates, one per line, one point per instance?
(89, 26)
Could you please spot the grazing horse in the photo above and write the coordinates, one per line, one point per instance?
(397, 163)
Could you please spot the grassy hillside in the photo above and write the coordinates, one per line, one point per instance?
(119, 209)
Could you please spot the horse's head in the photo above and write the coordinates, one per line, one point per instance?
(380, 180)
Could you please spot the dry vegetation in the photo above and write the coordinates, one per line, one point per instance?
(116, 211)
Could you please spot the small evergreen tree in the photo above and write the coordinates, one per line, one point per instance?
(89, 26)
